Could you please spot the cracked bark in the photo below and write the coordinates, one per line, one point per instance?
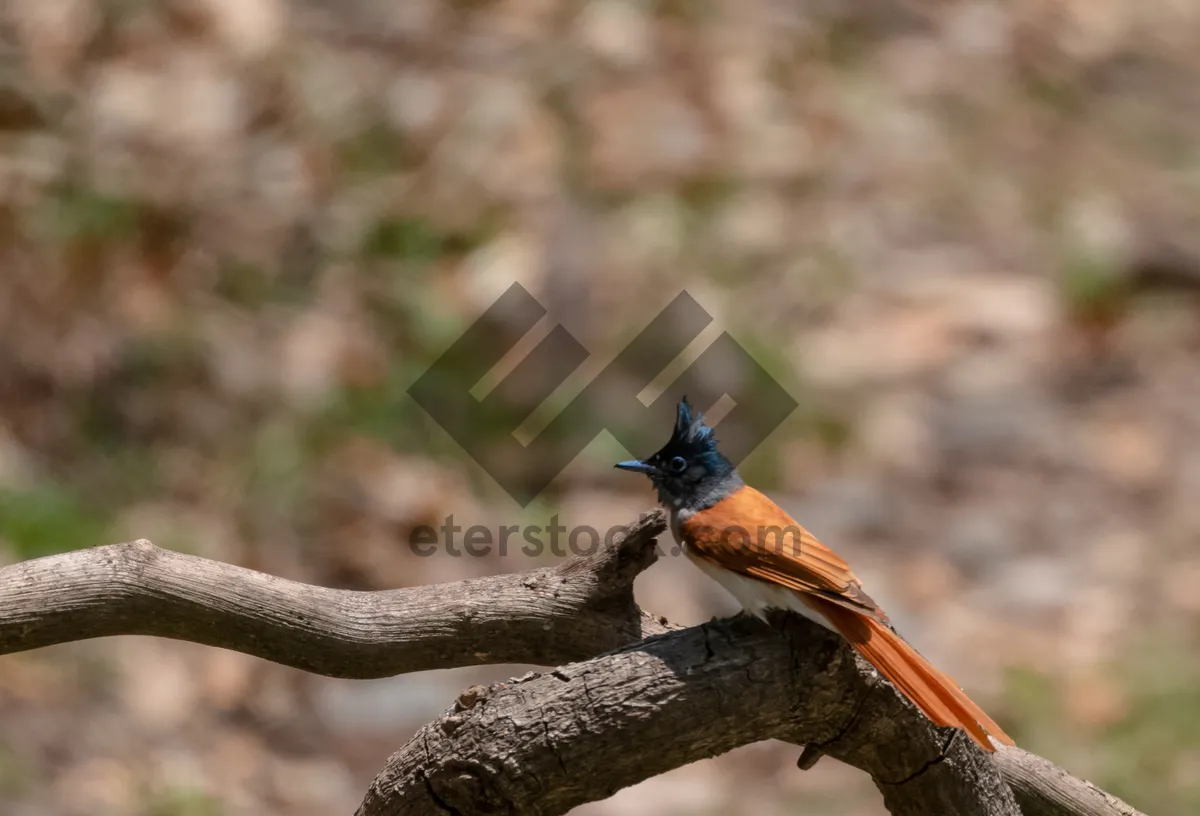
(544, 744)
(640, 697)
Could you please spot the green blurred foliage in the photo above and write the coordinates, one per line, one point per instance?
(74, 211)
(245, 285)
(375, 151)
(409, 240)
(14, 771)
(181, 802)
(49, 519)
(381, 411)
(1149, 754)
(1092, 284)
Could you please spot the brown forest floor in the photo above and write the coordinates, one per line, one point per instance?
(233, 231)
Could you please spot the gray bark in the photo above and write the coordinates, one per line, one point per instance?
(636, 697)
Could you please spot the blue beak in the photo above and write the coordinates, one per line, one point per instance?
(637, 466)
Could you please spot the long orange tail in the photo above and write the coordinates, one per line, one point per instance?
(935, 693)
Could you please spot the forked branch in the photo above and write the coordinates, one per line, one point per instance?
(637, 698)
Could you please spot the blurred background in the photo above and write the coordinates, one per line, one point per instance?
(963, 234)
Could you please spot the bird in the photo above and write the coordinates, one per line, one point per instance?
(750, 546)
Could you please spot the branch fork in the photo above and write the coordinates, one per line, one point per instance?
(632, 696)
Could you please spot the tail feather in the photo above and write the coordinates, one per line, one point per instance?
(934, 692)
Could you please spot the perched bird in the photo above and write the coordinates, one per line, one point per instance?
(756, 551)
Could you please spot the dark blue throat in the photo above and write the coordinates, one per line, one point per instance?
(701, 494)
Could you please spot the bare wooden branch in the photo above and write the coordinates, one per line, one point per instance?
(578, 733)
(550, 742)
(545, 617)
(1044, 789)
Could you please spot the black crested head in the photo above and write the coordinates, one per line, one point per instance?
(689, 472)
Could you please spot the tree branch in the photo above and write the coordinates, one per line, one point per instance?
(549, 742)
(1044, 789)
(579, 733)
(546, 617)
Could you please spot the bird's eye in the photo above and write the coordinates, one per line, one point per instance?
(678, 464)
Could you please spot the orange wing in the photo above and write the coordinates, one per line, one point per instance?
(747, 533)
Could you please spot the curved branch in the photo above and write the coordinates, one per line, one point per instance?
(550, 742)
(676, 697)
(547, 616)
(1044, 789)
